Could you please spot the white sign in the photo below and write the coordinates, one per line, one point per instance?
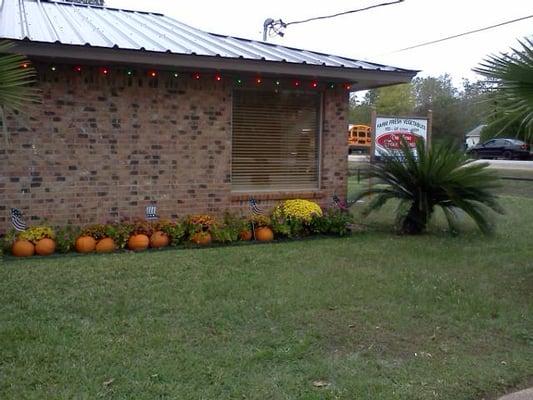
(389, 131)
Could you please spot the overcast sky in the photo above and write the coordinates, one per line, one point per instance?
(371, 35)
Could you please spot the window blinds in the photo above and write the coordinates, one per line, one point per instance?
(275, 141)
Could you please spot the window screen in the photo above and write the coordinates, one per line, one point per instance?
(275, 142)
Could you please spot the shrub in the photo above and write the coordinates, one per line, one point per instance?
(229, 229)
(291, 218)
(333, 222)
(36, 233)
(175, 230)
(297, 209)
(7, 241)
(120, 233)
(439, 177)
(199, 223)
(96, 231)
(66, 238)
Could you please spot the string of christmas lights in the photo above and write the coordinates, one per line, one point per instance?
(217, 77)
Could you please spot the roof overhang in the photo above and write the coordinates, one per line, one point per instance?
(359, 78)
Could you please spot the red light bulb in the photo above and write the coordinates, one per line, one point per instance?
(314, 84)
(104, 71)
(197, 76)
(77, 68)
(296, 83)
(218, 78)
(152, 74)
(258, 81)
(347, 86)
(25, 65)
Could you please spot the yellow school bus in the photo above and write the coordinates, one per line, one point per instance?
(359, 139)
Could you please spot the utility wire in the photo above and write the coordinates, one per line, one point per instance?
(460, 34)
(343, 13)
(273, 27)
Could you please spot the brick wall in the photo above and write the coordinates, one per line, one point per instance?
(100, 148)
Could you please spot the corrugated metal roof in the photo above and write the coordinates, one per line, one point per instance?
(105, 27)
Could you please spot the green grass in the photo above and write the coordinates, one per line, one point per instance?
(375, 315)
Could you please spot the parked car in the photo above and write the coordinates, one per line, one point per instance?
(500, 148)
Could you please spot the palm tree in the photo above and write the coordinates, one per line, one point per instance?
(16, 78)
(512, 99)
(437, 177)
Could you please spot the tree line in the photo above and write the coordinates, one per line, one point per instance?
(503, 101)
(455, 110)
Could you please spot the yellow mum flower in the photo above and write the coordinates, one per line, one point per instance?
(300, 209)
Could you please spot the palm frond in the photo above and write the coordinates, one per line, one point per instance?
(16, 90)
(513, 95)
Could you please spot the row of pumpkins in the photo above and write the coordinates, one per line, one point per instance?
(136, 242)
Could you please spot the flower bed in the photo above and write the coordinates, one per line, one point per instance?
(289, 219)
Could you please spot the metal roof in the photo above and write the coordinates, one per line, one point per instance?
(105, 27)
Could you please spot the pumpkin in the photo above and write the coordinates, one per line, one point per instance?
(264, 234)
(159, 239)
(138, 242)
(85, 244)
(105, 245)
(201, 238)
(45, 247)
(23, 248)
(245, 235)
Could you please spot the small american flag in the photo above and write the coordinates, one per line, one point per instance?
(17, 221)
(339, 203)
(254, 207)
(151, 212)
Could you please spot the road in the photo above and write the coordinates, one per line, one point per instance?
(499, 164)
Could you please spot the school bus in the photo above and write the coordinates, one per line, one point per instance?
(359, 139)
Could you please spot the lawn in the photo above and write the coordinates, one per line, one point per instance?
(371, 316)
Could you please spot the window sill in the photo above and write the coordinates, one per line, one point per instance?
(278, 195)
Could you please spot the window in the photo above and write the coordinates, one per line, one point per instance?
(276, 140)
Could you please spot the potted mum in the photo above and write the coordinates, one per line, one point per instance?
(199, 228)
(293, 218)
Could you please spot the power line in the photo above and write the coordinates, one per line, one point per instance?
(275, 27)
(343, 13)
(460, 34)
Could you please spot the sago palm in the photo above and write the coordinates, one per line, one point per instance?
(438, 177)
(16, 77)
(512, 98)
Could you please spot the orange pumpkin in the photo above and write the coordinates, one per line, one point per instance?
(245, 235)
(105, 245)
(23, 248)
(264, 234)
(159, 239)
(138, 242)
(85, 244)
(45, 247)
(202, 238)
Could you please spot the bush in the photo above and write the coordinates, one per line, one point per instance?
(66, 238)
(96, 231)
(175, 230)
(440, 176)
(333, 222)
(120, 233)
(229, 229)
(292, 218)
(36, 233)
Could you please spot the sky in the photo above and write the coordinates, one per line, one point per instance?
(370, 35)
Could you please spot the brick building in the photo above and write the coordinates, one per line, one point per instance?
(139, 108)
